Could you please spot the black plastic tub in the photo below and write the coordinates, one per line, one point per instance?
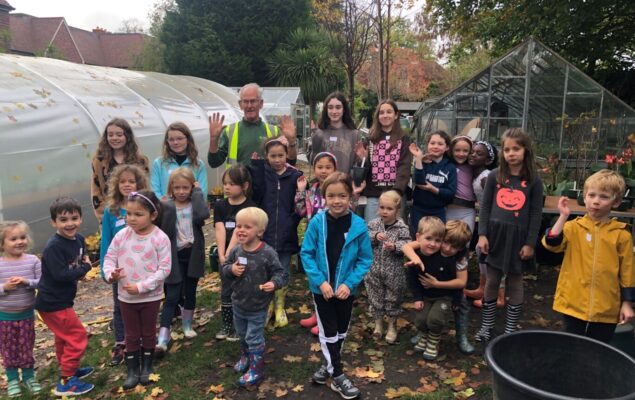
(558, 366)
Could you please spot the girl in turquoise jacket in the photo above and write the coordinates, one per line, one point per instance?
(336, 254)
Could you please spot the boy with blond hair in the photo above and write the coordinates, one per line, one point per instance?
(597, 281)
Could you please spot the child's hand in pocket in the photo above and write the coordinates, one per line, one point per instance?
(267, 287)
(342, 292)
(327, 290)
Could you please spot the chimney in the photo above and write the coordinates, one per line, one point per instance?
(97, 30)
(5, 9)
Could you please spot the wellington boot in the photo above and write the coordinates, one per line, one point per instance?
(147, 357)
(134, 370)
(309, 322)
(378, 332)
(478, 292)
(391, 332)
(280, 313)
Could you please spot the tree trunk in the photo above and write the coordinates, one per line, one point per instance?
(351, 89)
(387, 58)
(380, 35)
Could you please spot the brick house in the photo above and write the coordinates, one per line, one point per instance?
(52, 37)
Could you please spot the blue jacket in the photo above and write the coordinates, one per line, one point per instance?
(110, 225)
(275, 194)
(355, 259)
(443, 176)
(161, 170)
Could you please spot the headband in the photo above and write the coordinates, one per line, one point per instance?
(490, 149)
(277, 140)
(137, 194)
(327, 154)
(464, 137)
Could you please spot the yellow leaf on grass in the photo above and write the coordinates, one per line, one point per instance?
(139, 389)
(292, 359)
(314, 358)
(316, 347)
(154, 377)
(393, 393)
(281, 392)
(216, 389)
(464, 394)
(298, 388)
(291, 310)
(304, 309)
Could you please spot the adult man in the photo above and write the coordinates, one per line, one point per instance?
(237, 142)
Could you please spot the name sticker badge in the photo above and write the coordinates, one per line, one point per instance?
(242, 260)
(588, 237)
(387, 138)
(120, 222)
(333, 138)
(230, 224)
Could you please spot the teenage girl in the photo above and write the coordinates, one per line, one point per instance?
(336, 254)
(124, 180)
(463, 204)
(434, 179)
(386, 281)
(186, 212)
(275, 184)
(508, 228)
(139, 260)
(483, 159)
(117, 146)
(389, 157)
(179, 150)
(309, 201)
(237, 187)
(19, 275)
(336, 132)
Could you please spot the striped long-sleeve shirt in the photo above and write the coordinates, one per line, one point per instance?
(23, 297)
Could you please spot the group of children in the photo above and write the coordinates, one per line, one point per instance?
(153, 249)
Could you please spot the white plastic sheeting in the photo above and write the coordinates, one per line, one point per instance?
(53, 112)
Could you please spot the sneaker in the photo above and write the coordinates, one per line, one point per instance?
(232, 337)
(33, 386)
(83, 372)
(72, 387)
(13, 388)
(321, 375)
(222, 334)
(117, 355)
(344, 387)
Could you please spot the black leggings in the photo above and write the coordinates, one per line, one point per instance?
(595, 330)
(174, 293)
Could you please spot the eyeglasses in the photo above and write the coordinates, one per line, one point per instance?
(250, 102)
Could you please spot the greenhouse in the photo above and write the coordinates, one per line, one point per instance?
(52, 114)
(568, 113)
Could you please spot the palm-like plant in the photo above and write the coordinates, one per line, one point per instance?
(306, 60)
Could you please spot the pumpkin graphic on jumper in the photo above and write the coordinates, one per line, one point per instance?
(510, 199)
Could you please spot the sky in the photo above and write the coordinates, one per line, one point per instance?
(88, 14)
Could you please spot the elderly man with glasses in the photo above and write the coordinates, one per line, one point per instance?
(235, 143)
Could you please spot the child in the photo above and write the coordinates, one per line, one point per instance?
(436, 289)
(187, 216)
(19, 275)
(255, 272)
(483, 159)
(336, 254)
(598, 261)
(275, 185)
(117, 146)
(124, 180)
(236, 186)
(336, 132)
(508, 227)
(463, 204)
(386, 281)
(139, 260)
(434, 179)
(309, 202)
(64, 262)
(179, 150)
(389, 160)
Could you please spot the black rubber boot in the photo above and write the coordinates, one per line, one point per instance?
(134, 371)
(147, 357)
(462, 321)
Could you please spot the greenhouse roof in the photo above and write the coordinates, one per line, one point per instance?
(534, 88)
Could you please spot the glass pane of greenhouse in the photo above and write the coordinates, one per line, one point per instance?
(566, 112)
(52, 114)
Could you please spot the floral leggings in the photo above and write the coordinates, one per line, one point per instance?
(17, 339)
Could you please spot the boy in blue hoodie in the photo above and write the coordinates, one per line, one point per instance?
(336, 254)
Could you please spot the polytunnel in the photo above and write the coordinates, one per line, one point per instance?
(52, 114)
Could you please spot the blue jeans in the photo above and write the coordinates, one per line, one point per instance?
(285, 260)
(370, 211)
(250, 327)
(117, 320)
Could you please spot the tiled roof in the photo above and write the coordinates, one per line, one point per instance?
(31, 35)
(5, 4)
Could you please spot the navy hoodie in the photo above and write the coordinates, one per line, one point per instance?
(275, 194)
(443, 176)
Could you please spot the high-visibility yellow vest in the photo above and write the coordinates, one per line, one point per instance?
(232, 136)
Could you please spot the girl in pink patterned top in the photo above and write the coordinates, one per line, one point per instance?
(139, 258)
